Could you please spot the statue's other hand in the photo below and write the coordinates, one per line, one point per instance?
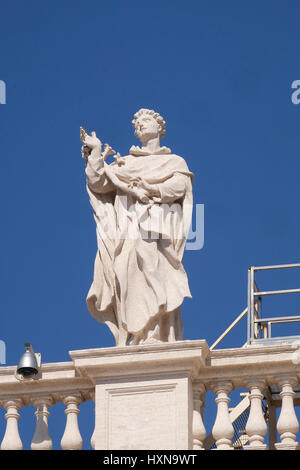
(150, 189)
(139, 194)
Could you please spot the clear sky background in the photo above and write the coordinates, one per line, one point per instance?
(220, 73)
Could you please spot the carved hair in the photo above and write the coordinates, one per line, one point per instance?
(159, 119)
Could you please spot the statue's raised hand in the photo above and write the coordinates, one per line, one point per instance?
(91, 141)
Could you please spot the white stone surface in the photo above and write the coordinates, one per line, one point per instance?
(142, 206)
(139, 388)
(41, 439)
(142, 415)
(287, 425)
(199, 431)
(223, 430)
(145, 400)
(11, 439)
(71, 439)
(256, 426)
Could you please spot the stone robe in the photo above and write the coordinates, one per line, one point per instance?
(139, 280)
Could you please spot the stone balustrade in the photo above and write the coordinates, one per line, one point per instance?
(55, 383)
(186, 369)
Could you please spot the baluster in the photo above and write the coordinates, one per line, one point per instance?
(223, 430)
(199, 432)
(256, 426)
(41, 439)
(71, 439)
(287, 424)
(11, 439)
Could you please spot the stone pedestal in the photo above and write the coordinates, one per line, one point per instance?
(143, 394)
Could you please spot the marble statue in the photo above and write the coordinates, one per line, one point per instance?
(142, 205)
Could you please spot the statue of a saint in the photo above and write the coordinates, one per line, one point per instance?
(142, 206)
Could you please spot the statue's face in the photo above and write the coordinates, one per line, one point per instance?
(146, 127)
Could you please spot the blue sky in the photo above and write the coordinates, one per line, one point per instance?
(220, 73)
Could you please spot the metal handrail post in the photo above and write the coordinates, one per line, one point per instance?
(252, 301)
(269, 330)
(249, 312)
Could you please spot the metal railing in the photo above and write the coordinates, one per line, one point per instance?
(232, 325)
(259, 329)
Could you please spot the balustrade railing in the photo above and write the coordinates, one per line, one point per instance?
(56, 383)
(257, 369)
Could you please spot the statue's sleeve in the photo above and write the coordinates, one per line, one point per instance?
(95, 175)
(173, 188)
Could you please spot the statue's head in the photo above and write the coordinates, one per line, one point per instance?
(148, 124)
